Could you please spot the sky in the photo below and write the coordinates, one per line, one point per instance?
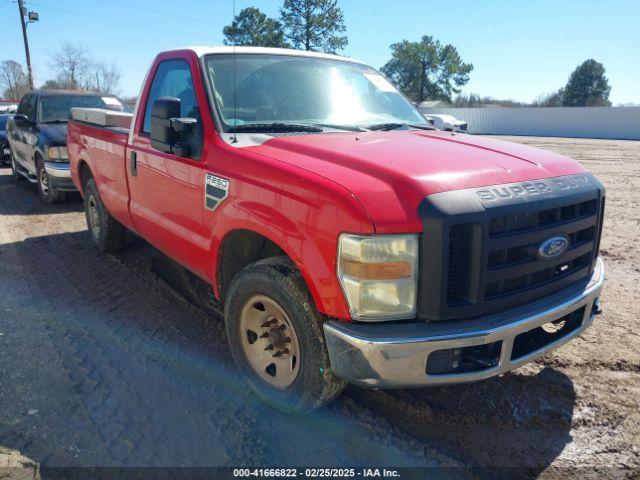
(520, 49)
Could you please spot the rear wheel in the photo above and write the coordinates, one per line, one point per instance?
(107, 234)
(48, 194)
(276, 337)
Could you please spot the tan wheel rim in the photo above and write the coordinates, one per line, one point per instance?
(269, 341)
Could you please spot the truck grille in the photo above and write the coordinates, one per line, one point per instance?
(480, 250)
(512, 264)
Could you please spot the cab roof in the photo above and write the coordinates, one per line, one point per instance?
(58, 93)
(201, 51)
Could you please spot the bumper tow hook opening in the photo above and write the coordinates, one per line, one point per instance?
(464, 360)
(596, 310)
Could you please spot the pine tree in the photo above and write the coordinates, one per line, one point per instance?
(251, 27)
(314, 25)
(587, 86)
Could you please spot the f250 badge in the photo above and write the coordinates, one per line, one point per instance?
(216, 191)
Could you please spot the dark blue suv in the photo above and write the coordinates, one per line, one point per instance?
(38, 137)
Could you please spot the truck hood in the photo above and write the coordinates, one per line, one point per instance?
(54, 134)
(390, 173)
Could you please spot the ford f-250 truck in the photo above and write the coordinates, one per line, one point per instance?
(348, 239)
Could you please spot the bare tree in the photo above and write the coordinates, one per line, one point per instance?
(106, 78)
(75, 70)
(551, 99)
(51, 85)
(73, 66)
(13, 80)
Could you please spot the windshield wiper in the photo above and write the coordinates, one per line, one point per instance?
(348, 128)
(395, 125)
(56, 121)
(274, 127)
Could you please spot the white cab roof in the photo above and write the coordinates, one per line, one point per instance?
(202, 50)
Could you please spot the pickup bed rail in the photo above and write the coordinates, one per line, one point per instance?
(102, 117)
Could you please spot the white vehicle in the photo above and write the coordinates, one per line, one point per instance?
(448, 123)
(8, 108)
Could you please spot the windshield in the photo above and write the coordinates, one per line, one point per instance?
(268, 89)
(57, 108)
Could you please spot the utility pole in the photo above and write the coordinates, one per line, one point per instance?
(23, 10)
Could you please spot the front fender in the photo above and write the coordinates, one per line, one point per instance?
(39, 151)
(310, 244)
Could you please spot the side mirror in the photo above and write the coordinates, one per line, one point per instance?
(169, 132)
(21, 121)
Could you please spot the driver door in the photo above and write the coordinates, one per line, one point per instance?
(24, 136)
(167, 191)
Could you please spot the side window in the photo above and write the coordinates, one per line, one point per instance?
(27, 106)
(23, 104)
(172, 79)
(30, 108)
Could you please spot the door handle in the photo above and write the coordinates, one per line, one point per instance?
(133, 164)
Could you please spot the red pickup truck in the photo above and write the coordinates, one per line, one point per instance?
(349, 240)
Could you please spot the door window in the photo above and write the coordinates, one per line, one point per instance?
(28, 107)
(172, 79)
(23, 105)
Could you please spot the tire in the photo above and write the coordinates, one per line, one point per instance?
(48, 195)
(15, 175)
(107, 233)
(313, 384)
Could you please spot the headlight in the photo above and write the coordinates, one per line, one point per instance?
(57, 154)
(379, 275)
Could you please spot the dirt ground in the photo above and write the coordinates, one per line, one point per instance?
(104, 361)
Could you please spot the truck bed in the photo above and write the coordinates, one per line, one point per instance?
(97, 138)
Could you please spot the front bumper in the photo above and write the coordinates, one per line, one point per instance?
(396, 355)
(60, 176)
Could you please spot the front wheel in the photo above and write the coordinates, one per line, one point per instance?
(48, 194)
(15, 175)
(276, 338)
(105, 231)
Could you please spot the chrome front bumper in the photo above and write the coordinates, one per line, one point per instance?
(58, 170)
(395, 355)
(60, 176)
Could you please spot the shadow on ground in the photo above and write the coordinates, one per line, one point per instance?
(21, 198)
(103, 362)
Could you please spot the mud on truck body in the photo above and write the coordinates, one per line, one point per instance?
(349, 240)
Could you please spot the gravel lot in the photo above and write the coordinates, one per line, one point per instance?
(122, 361)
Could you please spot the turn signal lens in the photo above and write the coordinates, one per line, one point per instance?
(57, 154)
(377, 271)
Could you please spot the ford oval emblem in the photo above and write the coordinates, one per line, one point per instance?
(553, 247)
